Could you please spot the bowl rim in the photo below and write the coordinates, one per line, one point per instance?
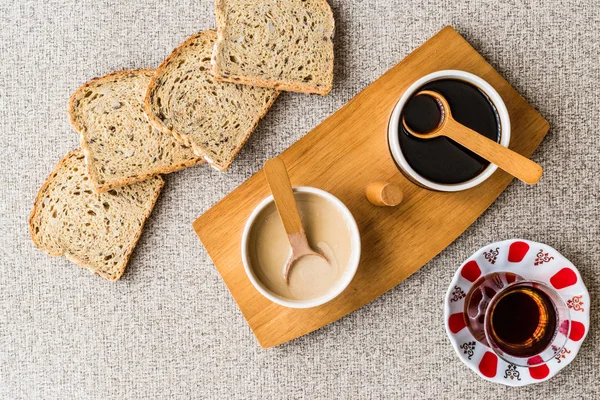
(342, 283)
(394, 122)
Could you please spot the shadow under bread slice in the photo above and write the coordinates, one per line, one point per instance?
(214, 118)
(120, 145)
(97, 231)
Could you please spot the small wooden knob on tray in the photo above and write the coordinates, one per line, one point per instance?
(384, 194)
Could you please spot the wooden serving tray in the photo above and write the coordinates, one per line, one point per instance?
(342, 156)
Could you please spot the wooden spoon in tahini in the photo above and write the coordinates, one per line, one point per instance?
(281, 188)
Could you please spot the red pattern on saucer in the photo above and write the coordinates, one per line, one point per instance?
(539, 372)
(457, 322)
(517, 251)
(488, 365)
(563, 278)
(531, 260)
(470, 271)
(577, 331)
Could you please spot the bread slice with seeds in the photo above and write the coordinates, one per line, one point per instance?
(98, 231)
(120, 145)
(214, 118)
(287, 45)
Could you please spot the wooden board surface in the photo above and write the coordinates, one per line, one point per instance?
(343, 155)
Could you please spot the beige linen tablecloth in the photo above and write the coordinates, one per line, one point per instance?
(170, 329)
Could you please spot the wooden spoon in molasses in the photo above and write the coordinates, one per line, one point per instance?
(515, 164)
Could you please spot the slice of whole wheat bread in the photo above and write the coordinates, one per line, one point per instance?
(120, 145)
(98, 231)
(286, 44)
(214, 118)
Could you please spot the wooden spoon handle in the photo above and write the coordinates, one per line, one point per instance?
(281, 188)
(512, 162)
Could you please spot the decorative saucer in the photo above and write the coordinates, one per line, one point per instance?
(532, 261)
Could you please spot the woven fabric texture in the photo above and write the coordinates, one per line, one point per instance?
(170, 329)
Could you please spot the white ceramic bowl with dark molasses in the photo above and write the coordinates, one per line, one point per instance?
(438, 163)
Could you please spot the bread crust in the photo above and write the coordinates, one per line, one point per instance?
(64, 252)
(87, 150)
(38, 197)
(185, 139)
(268, 83)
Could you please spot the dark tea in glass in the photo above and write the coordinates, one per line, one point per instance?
(524, 322)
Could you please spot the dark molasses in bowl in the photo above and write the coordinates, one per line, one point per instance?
(440, 159)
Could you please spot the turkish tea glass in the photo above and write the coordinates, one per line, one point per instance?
(524, 322)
